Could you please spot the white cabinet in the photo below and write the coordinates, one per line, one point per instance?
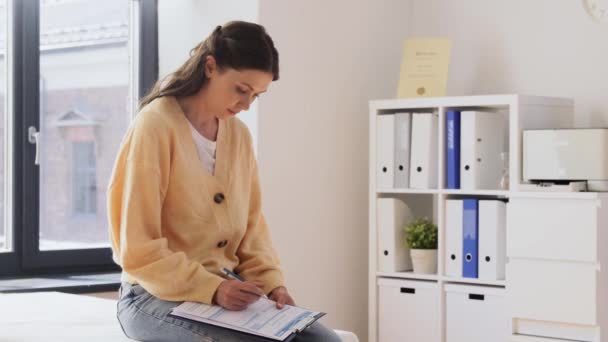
(476, 314)
(408, 310)
(556, 246)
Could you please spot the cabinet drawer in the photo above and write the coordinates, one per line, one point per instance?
(558, 229)
(553, 291)
(524, 338)
(408, 310)
(561, 331)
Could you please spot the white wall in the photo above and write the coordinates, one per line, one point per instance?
(313, 143)
(541, 47)
(182, 24)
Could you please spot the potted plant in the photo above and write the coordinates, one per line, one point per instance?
(421, 238)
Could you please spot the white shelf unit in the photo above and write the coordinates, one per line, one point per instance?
(521, 112)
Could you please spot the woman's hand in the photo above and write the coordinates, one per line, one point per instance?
(281, 296)
(235, 295)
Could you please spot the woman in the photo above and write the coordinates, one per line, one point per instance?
(184, 198)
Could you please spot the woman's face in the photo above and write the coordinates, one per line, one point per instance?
(230, 91)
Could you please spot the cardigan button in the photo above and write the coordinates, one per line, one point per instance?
(219, 198)
(222, 244)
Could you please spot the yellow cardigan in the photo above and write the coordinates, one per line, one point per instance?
(173, 225)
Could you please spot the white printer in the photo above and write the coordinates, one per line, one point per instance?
(559, 155)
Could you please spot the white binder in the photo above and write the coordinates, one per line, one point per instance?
(393, 254)
(385, 152)
(402, 150)
(423, 156)
(482, 136)
(453, 235)
(492, 239)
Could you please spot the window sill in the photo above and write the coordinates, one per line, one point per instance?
(70, 283)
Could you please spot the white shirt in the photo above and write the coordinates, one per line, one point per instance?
(206, 149)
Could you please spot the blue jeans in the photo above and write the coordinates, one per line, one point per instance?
(144, 317)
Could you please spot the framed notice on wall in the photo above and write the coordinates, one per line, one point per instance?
(424, 68)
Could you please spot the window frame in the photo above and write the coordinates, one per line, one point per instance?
(23, 75)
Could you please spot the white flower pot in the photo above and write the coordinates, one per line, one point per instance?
(424, 260)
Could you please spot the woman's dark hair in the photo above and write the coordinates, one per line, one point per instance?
(238, 45)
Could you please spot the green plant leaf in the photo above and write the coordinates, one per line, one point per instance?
(421, 234)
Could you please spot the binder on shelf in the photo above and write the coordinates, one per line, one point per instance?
(423, 160)
(470, 242)
(453, 234)
(392, 216)
(492, 237)
(482, 136)
(385, 152)
(452, 131)
(402, 149)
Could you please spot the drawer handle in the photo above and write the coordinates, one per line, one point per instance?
(408, 290)
(476, 296)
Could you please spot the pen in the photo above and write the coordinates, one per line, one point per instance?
(235, 276)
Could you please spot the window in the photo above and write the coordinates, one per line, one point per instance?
(76, 68)
(84, 180)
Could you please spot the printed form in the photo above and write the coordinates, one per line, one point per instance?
(260, 318)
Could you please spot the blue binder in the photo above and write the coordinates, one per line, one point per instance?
(470, 241)
(452, 129)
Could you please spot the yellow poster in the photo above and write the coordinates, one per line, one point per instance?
(424, 69)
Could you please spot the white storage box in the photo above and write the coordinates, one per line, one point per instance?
(408, 310)
(476, 314)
